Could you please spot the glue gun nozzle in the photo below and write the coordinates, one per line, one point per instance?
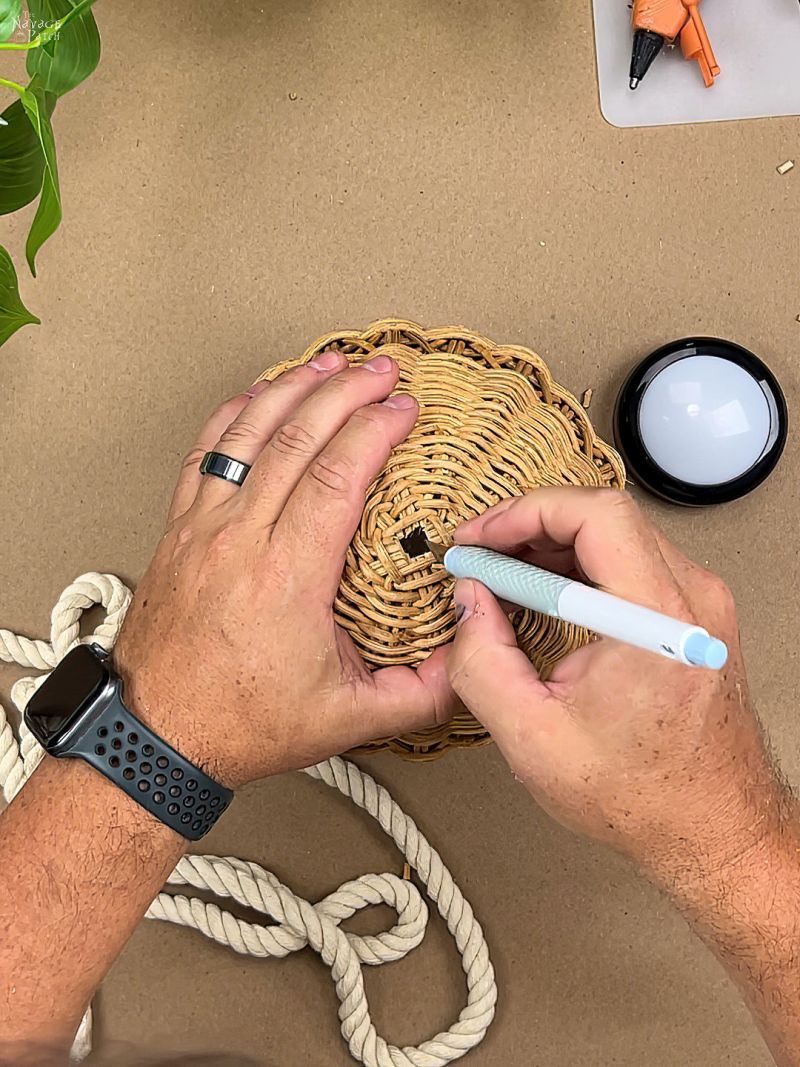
(634, 83)
(436, 550)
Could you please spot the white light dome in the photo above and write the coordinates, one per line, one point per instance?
(700, 421)
(704, 420)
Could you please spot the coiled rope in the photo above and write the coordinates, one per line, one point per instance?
(300, 924)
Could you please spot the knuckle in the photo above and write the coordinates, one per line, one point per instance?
(193, 458)
(228, 409)
(334, 389)
(298, 373)
(466, 665)
(293, 439)
(720, 596)
(339, 381)
(369, 419)
(241, 432)
(620, 501)
(221, 544)
(333, 474)
(286, 375)
(296, 378)
(339, 388)
(184, 537)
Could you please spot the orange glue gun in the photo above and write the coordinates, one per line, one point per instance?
(657, 21)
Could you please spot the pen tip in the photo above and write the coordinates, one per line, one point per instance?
(634, 83)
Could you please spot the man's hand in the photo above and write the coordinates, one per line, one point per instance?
(231, 653)
(628, 747)
(230, 650)
(664, 762)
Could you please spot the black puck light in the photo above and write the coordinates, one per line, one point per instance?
(700, 421)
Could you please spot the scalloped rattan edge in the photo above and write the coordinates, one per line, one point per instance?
(463, 730)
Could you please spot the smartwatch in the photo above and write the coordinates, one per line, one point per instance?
(79, 713)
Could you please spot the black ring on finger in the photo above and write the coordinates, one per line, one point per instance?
(222, 466)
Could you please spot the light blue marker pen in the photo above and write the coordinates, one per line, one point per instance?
(551, 594)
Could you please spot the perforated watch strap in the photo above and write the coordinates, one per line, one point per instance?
(148, 769)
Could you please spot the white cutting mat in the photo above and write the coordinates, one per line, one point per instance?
(757, 45)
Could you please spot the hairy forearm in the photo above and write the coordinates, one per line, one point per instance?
(744, 902)
(79, 864)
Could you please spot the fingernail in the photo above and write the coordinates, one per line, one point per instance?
(464, 598)
(326, 360)
(256, 388)
(402, 402)
(378, 365)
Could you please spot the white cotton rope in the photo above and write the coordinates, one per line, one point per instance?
(300, 924)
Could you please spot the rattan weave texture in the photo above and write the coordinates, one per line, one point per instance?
(492, 424)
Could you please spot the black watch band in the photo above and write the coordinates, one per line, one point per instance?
(79, 712)
(148, 769)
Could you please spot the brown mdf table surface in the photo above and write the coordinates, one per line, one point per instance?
(239, 180)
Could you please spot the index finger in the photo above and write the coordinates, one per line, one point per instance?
(613, 542)
(324, 510)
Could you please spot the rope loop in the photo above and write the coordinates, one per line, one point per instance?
(297, 922)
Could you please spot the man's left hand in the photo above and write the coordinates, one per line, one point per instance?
(230, 649)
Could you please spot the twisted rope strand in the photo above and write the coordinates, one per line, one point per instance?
(300, 924)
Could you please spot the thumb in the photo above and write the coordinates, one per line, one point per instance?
(492, 676)
(400, 700)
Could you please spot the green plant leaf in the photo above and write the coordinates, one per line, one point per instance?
(21, 157)
(13, 313)
(48, 214)
(10, 13)
(70, 56)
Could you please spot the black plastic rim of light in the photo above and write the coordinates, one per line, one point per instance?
(647, 473)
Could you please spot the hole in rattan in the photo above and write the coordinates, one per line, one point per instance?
(415, 542)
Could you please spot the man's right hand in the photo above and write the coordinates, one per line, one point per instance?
(663, 761)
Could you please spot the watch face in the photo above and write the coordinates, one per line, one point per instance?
(72, 686)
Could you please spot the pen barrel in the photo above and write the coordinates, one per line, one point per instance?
(510, 579)
(635, 625)
(551, 594)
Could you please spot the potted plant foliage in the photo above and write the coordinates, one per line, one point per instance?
(62, 46)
